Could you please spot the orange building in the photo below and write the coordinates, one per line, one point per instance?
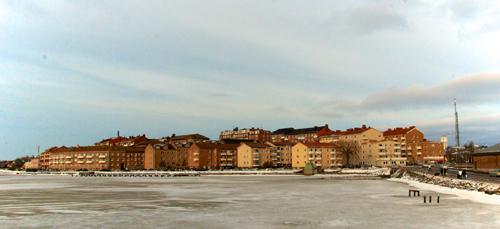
(212, 155)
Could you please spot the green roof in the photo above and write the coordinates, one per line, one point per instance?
(309, 166)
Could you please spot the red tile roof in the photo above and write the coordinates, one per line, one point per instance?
(320, 145)
(398, 130)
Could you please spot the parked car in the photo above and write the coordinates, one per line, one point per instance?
(425, 166)
(495, 173)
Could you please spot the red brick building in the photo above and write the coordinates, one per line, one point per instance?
(260, 135)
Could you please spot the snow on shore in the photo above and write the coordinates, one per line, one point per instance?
(468, 189)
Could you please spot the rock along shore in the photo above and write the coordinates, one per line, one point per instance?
(470, 185)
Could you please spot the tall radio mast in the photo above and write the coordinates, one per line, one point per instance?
(457, 135)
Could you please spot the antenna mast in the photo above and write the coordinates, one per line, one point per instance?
(457, 135)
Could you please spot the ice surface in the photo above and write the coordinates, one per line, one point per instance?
(233, 202)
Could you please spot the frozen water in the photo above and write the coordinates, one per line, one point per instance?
(232, 202)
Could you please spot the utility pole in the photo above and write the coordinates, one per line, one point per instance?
(457, 135)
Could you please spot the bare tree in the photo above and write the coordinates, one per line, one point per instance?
(348, 149)
(470, 149)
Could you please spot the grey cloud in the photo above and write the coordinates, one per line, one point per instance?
(480, 129)
(470, 89)
(279, 110)
(219, 95)
(327, 114)
(368, 19)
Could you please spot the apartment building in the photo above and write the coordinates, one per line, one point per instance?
(283, 153)
(253, 155)
(425, 151)
(258, 134)
(385, 153)
(360, 135)
(45, 157)
(331, 137)
(95, 158)
(310, 134)
(212, 155)
(414, 146)
(160, 156)
(320, 154)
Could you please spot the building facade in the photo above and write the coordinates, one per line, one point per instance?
(319, 154)
(260, 135)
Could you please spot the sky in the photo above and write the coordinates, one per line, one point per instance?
(76, 72)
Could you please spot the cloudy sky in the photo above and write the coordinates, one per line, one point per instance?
(76, 72)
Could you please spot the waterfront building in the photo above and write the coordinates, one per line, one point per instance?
(385, 153)
(319, 154)
(212, 155)
(94, 158)
(254, 155)
(283, 153)
(160, 156)
(258, 134)
(415, 147)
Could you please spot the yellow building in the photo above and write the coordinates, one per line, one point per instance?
(385, 153)
(254, 155)
(320, 154)
(363, 137)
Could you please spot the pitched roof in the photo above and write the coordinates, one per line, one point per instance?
(235, 141)
(203, 145)
(256, 145)
(149, 141)
(355, 130)
(282, 143)
(398, 130)
(306, 130)
(320, 145)
(495, 149)
(189, 136)
(282, 130)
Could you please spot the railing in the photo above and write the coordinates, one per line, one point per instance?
(311, 158)
(311, 152)
(318, 152)
(196, 159)
(196, 153)
(318, 158)
(102, 162)
(102, 156)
